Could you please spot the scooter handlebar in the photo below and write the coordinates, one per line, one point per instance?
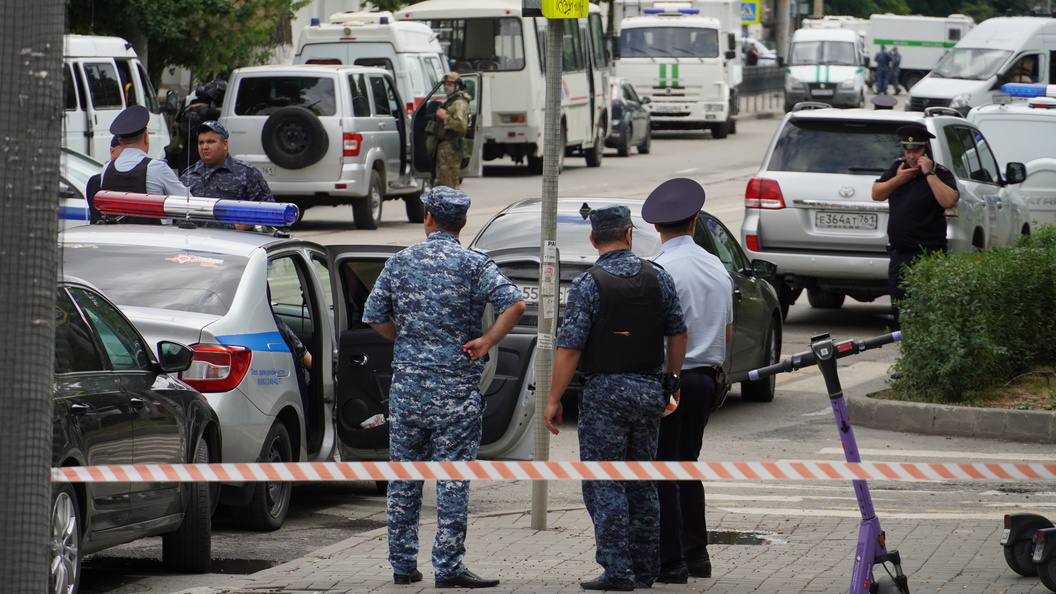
(806, 358)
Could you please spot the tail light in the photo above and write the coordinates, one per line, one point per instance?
(410, 108)
(763, 193)
(352, 143)
(751, 242)
(217, 367)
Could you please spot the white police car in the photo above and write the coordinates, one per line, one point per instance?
(208, 288)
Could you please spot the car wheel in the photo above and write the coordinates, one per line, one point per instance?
(762, 390)
(645, 147)
(623, 146)
(415, 208)
(733, 126)
(366, 211)
(188, 549)
(909, 80)
(270, 503)
(720, 131)
(825, 299)
(593, 155)
(1020, 557)
(65, 540)
(294, 138)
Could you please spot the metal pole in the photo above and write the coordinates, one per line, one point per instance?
(544, 361)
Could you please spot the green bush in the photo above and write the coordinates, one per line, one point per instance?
(972, 321)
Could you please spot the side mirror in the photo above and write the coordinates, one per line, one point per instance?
(646, 100)
(730, 55)
(763, 269)
(1015, 173)
(731, 44)
(174, 357)
(172, 103)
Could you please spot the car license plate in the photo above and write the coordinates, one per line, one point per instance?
(865, 221)
(531, 293)
(823, 92)
(659, 108)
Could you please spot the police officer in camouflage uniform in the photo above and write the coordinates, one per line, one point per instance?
(618, 315)
(429, 299)
(219, 175)
(447, 132)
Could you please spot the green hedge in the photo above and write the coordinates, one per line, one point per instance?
(973, 321)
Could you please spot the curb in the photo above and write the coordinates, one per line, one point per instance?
(1032, 426)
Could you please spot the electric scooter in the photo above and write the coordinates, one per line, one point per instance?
(1029, 541)
(872, 541)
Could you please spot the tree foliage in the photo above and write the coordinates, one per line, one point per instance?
(208, 37)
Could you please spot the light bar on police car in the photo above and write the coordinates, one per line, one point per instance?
(1028, 90)
(671, 11)
(160, 206)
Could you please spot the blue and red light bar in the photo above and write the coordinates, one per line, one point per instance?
(159, 206)
(1028, 90)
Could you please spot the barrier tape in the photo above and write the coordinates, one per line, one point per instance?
(556, 471)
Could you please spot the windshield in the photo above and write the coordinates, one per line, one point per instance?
(521, 230)
(970, 64)
(820, 146)
(835, 53)
(667, 42)
(163, 278)
(481, 44)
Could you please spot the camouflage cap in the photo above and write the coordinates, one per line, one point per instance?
(446, 204)
(452, 76)
(610, 217)
(212, 126)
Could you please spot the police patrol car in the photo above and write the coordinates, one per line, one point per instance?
(209, 288)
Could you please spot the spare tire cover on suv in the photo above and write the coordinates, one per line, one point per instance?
(294, 138)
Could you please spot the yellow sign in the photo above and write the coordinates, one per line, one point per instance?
(565, 9)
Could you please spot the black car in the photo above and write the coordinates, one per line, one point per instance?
(630, 121)
(511, 238)
(114, 403)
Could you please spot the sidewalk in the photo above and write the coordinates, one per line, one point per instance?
(803, 555)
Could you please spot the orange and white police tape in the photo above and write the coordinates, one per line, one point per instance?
(557, 471)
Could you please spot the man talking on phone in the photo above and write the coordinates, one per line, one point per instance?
(919, 190)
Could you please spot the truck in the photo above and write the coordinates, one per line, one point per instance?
(921, 40)
(826, 64)
(685, 57)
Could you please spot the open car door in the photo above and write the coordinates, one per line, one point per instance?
(422, 161)
(364, 370)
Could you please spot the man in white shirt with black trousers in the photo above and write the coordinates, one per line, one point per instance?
(705, 289)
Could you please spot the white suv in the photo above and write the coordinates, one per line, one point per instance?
(809, 208)
(327, 135)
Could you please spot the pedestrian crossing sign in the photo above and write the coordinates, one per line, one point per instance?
(749, 12)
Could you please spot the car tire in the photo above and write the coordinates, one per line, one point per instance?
(825, 299)
(646, 146)
(720, 131)
(366, 211)
(415, 208)
(535, 164)
(267, 509)
(623, 146)
(733, 126)
(66, 522)
(294, 138)
(594, 154)
(188, 549)
(762, 390)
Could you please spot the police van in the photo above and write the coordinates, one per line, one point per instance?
(828, 64)
(408, 50)
(101, 77)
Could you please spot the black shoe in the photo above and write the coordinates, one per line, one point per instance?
(700, 568)
(675, 575)
(616, 585)
(407, 578)
(467, 579)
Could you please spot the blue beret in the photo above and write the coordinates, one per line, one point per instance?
(913, 135)
(131, 121)
(446, 204)
(609, 217)
(673, 201)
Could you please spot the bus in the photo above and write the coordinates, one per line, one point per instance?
(494, 38)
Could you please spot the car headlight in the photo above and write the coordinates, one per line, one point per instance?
(714, 107)
(960, 100)
(847, 85)
(794, 84)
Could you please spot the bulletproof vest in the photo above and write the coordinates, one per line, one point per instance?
(133, 180)
(628, 334)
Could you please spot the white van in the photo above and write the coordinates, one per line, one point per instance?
(102, 76)
(990, 55)
(1022, 131)
(408, 50)
(827, 65)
